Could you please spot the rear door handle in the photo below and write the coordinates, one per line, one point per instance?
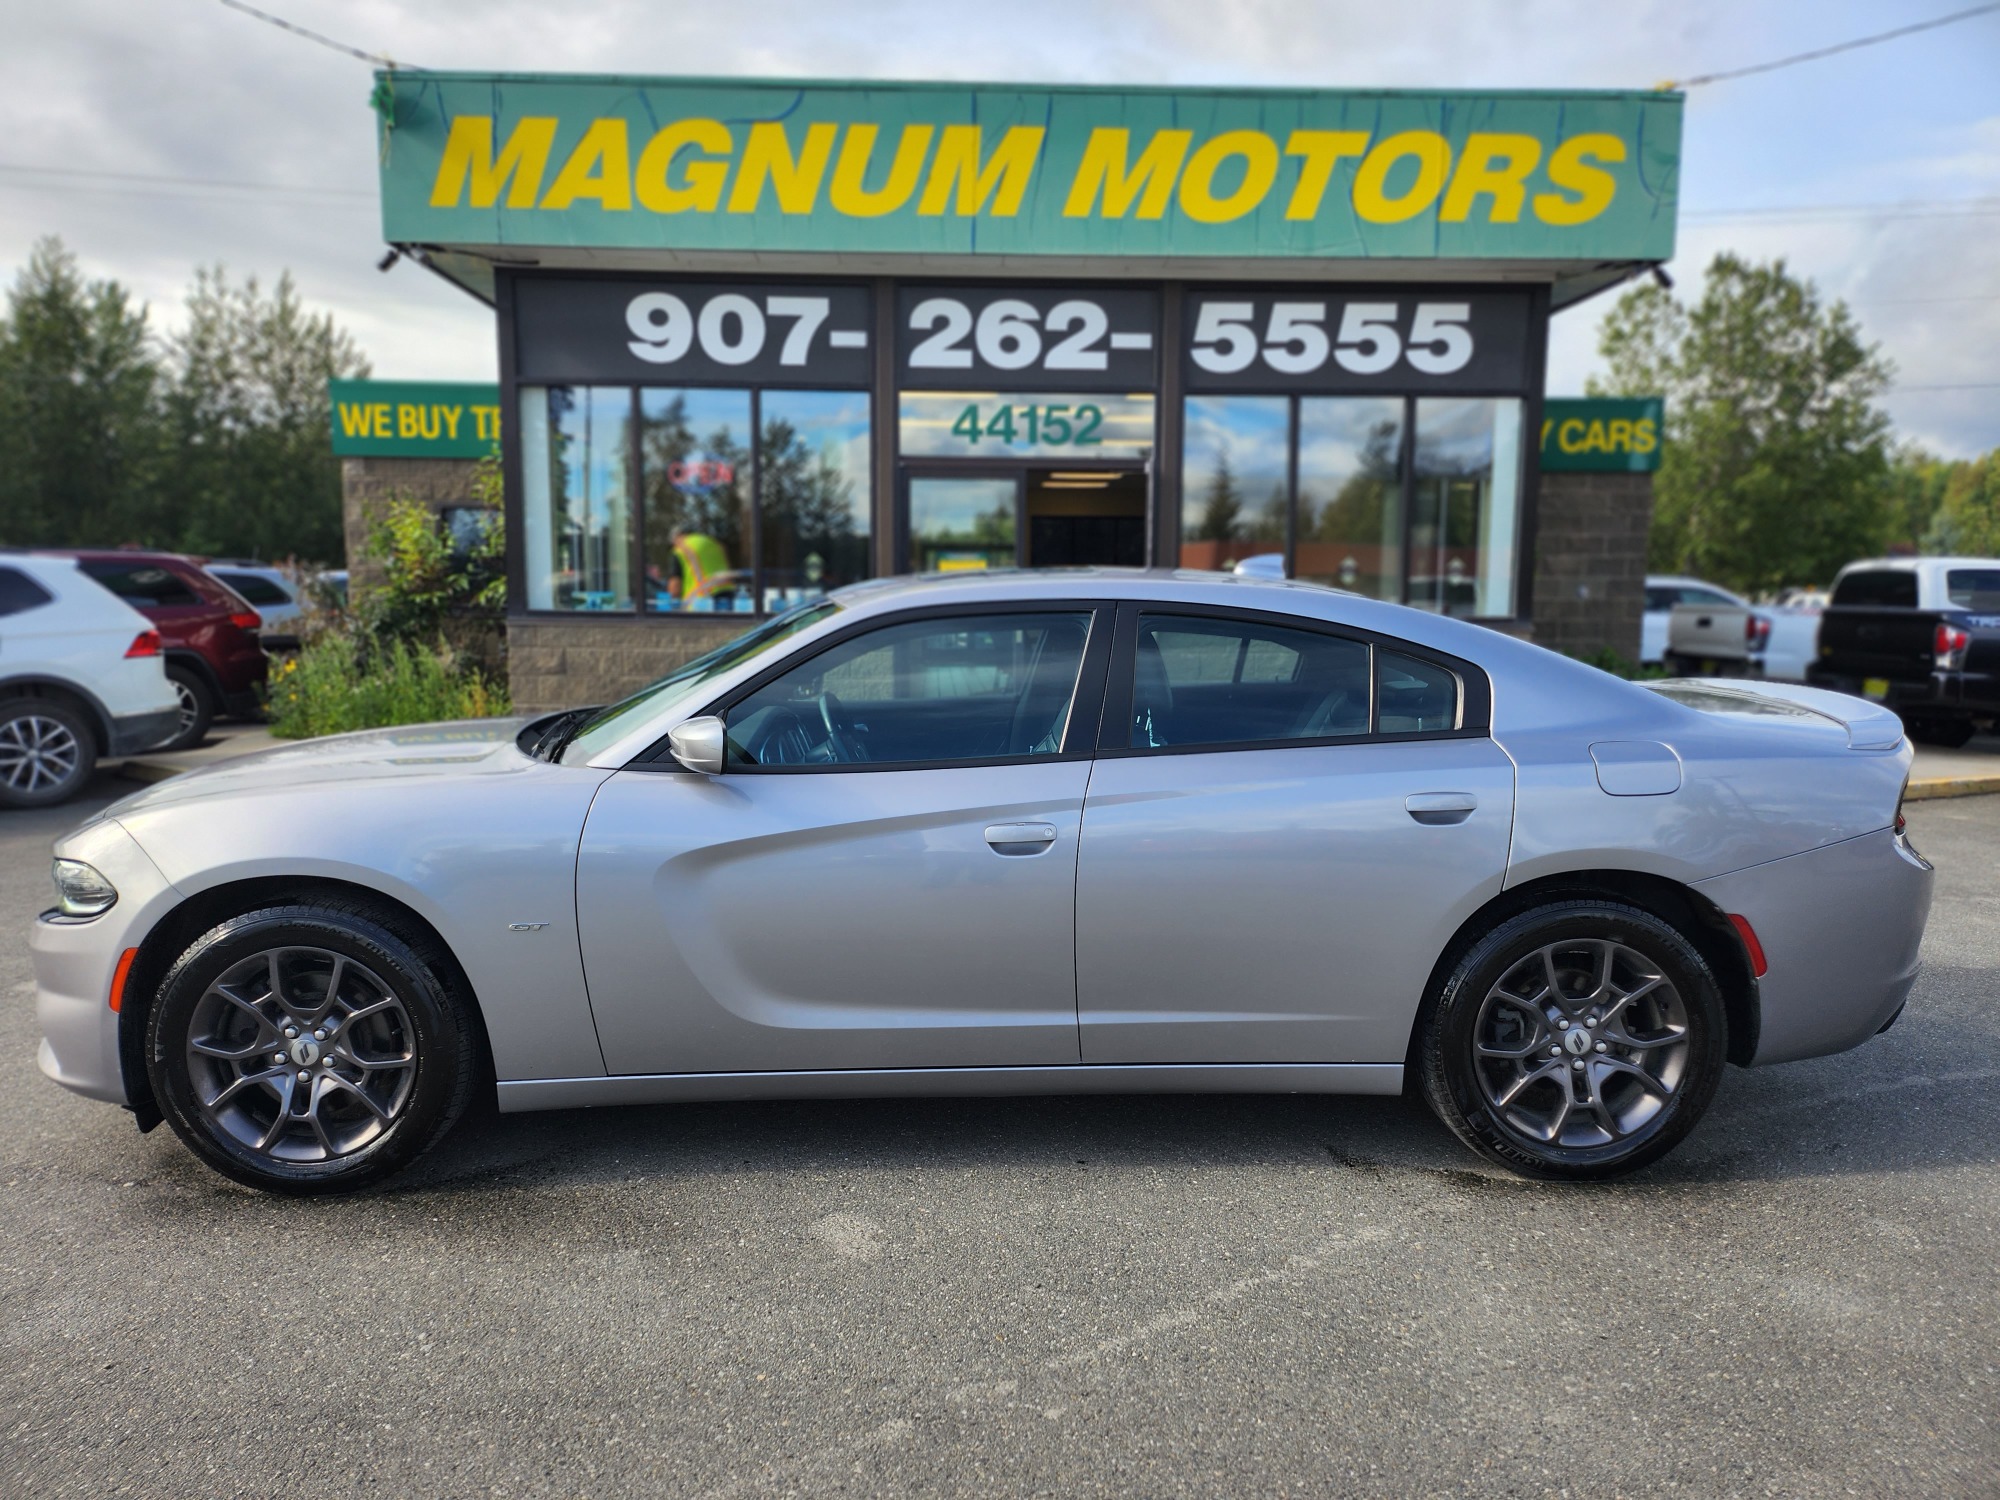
(1020, 838)
(1440, 807)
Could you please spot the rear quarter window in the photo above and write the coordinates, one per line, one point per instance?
(1887, 588)
(255, 588)
(19, 593)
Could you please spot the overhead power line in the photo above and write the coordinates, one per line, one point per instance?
(312, 36)
(1818, 52)
(203, 183)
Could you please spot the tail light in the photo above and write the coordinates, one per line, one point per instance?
(145, 643)
(1949, 646)
(247, 620)
(1756, 632)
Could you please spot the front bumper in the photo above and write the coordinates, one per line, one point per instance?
(75, 961)
(1952, 694)
(135, 734)
(1841, 927)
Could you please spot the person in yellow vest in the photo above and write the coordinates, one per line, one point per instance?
(704, 567)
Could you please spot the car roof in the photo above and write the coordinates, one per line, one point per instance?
(1911, 564)
(118, 554)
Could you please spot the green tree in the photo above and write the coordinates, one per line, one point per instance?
(247, 419)
(1913, 495)
(1968, 517)
(1222, 509)
(80, 440)
(1777, 457)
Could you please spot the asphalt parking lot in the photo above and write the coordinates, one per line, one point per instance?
(1232, 1296)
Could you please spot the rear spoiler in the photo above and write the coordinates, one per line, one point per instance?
(1869, 726)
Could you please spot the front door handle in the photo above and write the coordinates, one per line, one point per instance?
(1020, 838)
(1440, 807)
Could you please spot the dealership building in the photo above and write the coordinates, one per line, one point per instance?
(760, 339)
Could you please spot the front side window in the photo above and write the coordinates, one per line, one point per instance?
(922, 692)
(1206, 681)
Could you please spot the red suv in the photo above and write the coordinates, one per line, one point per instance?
(207, 629)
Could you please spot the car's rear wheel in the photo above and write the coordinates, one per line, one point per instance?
(1580, 1040)
(47, 752)
(308, 1049)
(198, 707)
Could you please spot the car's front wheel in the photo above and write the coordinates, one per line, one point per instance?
(308, 1049)
(1579, 1040)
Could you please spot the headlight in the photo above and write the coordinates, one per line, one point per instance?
(83, 892)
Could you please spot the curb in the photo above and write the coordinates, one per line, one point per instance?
(1951, 786)
(147, 770)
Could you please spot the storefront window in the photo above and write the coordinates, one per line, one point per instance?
(814, 493)
(1465, 509)
(1234, 489)
(576, 504)
(1350, 495)
(694, 451)
(961, 524)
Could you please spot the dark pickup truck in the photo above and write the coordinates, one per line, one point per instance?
(1920, 634)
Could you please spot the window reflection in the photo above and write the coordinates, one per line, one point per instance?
(1350, 496)
(1465, 510)
(575, 499)
(1233, 480)
(961, 525)
(694, 453)
(813, 478)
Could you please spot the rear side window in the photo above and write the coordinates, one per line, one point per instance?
(256, 588)
(1206, 680)
(1890, 588)
(19, 593)
(141, 584)
(1973, 588)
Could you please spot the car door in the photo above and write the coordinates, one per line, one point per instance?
(1285, 825)
(883, 876)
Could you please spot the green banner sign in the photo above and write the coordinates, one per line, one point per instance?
(951, 169)
(414, 419)
(1603, 435)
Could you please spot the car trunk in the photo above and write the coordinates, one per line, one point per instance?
(1897, 644)
(1868, 726)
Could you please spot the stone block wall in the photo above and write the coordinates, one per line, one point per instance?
(1590, 562)
(567, 663)
(367, 485)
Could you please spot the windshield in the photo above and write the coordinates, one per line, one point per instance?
(609, 725)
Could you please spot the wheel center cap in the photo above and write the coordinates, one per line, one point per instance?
(305, 1051)
(1576, 1039)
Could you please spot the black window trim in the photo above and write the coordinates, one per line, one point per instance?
(1475, 692)
(1080, 731)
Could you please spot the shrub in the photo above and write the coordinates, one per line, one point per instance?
(335, 685)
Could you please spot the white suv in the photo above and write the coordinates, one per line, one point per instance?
(81, 677)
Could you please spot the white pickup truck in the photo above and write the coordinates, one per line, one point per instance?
(1717, 640)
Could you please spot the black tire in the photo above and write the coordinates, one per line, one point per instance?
(198, 707)
(430, 1024)
(1948, 734)
(47, 752)
(1467, 1089)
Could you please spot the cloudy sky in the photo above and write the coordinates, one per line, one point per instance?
(1876, 172)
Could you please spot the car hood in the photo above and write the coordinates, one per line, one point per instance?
(475, 747)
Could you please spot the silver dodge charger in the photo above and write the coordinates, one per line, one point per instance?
(1015, 834)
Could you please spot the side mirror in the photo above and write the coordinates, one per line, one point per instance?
(698, 744)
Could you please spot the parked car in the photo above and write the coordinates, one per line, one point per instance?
(80, 680)
(1662, 594)
(1921, 634)
(1717, 640)
(209, 632)
(1013, 833)
(267, 590)
(1793, 644)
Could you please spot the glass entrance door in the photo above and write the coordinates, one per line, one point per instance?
(1034, 517)
(964, 523)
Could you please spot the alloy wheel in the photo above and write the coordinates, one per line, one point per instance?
(1582, 1043)
(190, 707)
(301, 1054)
(37, 752)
